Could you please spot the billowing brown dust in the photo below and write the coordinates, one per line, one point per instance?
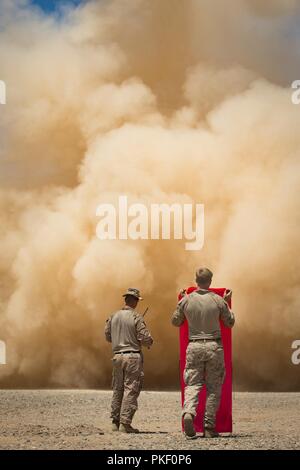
(162, 101)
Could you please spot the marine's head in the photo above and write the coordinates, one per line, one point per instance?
(132, 297)
(203, 278)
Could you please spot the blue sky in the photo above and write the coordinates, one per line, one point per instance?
(51, 5)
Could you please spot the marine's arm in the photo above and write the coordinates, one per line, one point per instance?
(226, 314)
(107, 330)
(178, 316)
(142, 332)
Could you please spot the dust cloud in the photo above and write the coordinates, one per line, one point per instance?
(162, 101)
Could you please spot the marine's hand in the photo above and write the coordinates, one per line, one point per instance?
(182, 293)
(227, 295)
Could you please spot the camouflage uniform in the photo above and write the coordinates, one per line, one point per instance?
(204, 356)
(127, 331)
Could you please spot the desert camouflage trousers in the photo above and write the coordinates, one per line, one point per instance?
(204, 365)
(127, 382)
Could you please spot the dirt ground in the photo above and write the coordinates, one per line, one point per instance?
(64, 419)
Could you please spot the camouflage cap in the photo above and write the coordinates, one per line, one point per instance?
(134, 292)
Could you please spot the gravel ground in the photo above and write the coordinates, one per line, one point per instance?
(64, 419)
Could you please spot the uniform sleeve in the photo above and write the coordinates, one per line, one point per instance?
(107, 330)
(142, 332)
(178, 316)
(227, 316)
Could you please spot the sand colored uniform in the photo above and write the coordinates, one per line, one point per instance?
(203, 310)
(127, 332)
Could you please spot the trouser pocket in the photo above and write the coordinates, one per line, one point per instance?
(117, 374)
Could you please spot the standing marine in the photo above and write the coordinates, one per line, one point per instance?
(127, 332)
(203, 310)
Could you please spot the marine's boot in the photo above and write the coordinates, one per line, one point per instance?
(188, 425)
(115, 426)
(210, 432)
(128, 429)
